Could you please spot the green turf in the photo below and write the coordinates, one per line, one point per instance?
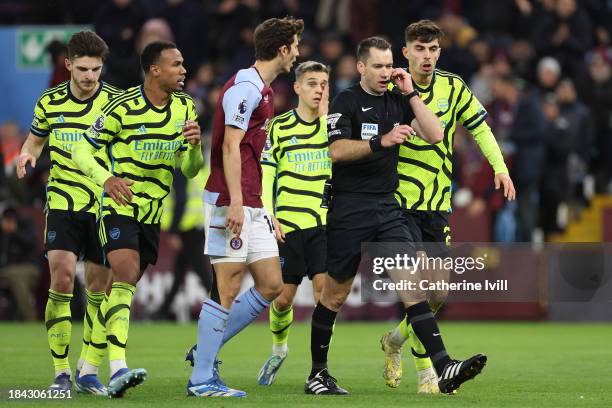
(530, 365)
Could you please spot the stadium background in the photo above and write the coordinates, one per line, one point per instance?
(557, 53)
(548, 359)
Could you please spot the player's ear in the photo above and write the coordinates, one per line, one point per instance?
(405, 52)
(154, 70)
(297, 87)
(360, 67)
(283, 50)
(68, 64)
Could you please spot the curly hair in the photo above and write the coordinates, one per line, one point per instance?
(274, 33)
(87, 44)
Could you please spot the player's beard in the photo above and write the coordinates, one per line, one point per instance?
(86, 86)
(175, 87)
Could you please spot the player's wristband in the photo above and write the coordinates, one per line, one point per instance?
(411, 94)
(376, 144)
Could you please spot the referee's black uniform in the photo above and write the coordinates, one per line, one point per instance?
(363, 207)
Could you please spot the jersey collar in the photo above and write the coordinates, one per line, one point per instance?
(429, 87)
(153, 107)
(302, 121)
(84, 101)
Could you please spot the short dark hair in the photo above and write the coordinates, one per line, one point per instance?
(310, 66)
(151, 53)
(363, 49)
(273, 33)
(87, 44)
(424, 31)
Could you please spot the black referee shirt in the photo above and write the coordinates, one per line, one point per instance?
(357, 115)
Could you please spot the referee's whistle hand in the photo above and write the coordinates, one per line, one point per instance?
(402, 79)
(234, 219)
(119, 189)
(396, 136)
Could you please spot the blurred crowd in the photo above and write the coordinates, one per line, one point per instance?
(541, 68)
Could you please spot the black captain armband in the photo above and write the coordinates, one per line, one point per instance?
(376, 144)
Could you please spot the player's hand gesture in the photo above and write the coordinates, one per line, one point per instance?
(503, 179)
(397, 135)
(119, 189)
(22, 162)
(235, 218)
(324, 104)
(402, 79)
(278, 230)
(191, 132)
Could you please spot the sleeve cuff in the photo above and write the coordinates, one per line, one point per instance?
(39, 132)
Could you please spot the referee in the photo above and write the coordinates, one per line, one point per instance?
(366, 125)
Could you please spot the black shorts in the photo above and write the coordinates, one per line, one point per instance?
(354, 219)
(304, 253)
(431, 229)
(73, 231)
(123, 232)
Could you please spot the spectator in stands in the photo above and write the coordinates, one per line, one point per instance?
(334, 14)
(244, 51)
(363, 20)
(308, 45)
(33, 191)
(11, 140)
(58, 52)
(569, 128)
(344, 75)
(229, 17)
(331, 48)
(118, 22)
(457, 37)
(596, 92)
(522, 58)
(581, 132)
(199, 87)
(565, 34)
(518, 115)
(555, 179)
(188, 22)
(18, 267)
(154, 29)
(548, 75)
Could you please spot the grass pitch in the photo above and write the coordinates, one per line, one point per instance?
(530, 365)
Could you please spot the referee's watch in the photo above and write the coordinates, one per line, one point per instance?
(376, 144)
(411, 94)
